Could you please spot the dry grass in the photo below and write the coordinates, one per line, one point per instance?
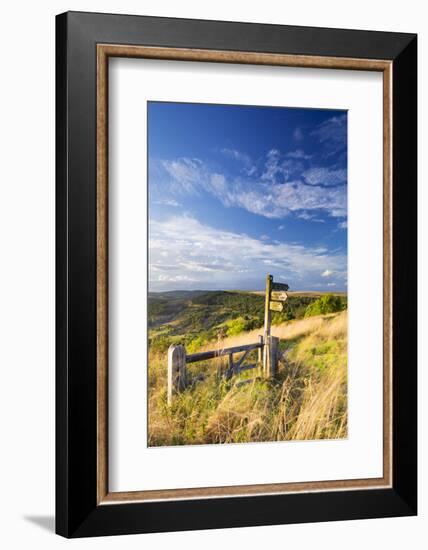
(288, 331)
(307, 401)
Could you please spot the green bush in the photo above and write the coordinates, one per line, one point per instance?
(160, 343)
(195, 344)
(236, 326)
(326, 304)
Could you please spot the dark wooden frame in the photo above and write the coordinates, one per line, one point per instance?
(84, 507)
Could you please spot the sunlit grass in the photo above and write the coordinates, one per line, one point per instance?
(308, 400)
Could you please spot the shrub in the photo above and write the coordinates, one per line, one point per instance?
(236, 326)
(325, 304)
(160, 343)
(195, 344)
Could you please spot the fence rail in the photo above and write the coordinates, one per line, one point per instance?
(178, 378)
(205, 355)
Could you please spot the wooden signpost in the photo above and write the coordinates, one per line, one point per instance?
(279, 286)
(279, 296)
(276, 306)
(266, 331)
(275, 296)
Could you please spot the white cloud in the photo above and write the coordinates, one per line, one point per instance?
(309, 217)
(304, 215)
(200, 256)
(272, 167)
(327, 273)
(325, 176)
(278, 200)
(332, 134)
(281, 186)
(343, 225)
(167, 202)
(186, 173)
(175, 278)
(298, 154)
(266, 198)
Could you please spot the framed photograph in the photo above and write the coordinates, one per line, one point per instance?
(236, 274)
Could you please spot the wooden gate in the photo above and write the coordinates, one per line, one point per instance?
(267, 346)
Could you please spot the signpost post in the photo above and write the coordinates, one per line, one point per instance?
(275, 296)
(266, 332)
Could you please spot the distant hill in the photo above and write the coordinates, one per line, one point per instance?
(176, 294)
(313, 293)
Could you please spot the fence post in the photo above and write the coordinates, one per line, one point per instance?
(176, 370)
(272, 355)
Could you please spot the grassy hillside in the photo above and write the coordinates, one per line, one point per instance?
(307, 401)
(195, 318)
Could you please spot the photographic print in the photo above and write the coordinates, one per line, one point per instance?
(212, 234)
(247, 291)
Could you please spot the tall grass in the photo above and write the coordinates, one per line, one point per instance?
(308, 400)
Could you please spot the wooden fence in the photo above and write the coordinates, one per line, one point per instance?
(267, 346)
(178, 359)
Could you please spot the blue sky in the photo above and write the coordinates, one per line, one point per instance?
(236, 192)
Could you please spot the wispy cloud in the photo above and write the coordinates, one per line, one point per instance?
(244, 159)
(272, 168)
(278, 200)
(185, 253)
(298, 154)
(332, 134)
(272, 195)
(168, 202)
(325, 176)
(309, 217)
(185, 172)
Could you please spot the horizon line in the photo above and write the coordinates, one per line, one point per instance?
(239, 290)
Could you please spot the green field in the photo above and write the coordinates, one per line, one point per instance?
(308, 399)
